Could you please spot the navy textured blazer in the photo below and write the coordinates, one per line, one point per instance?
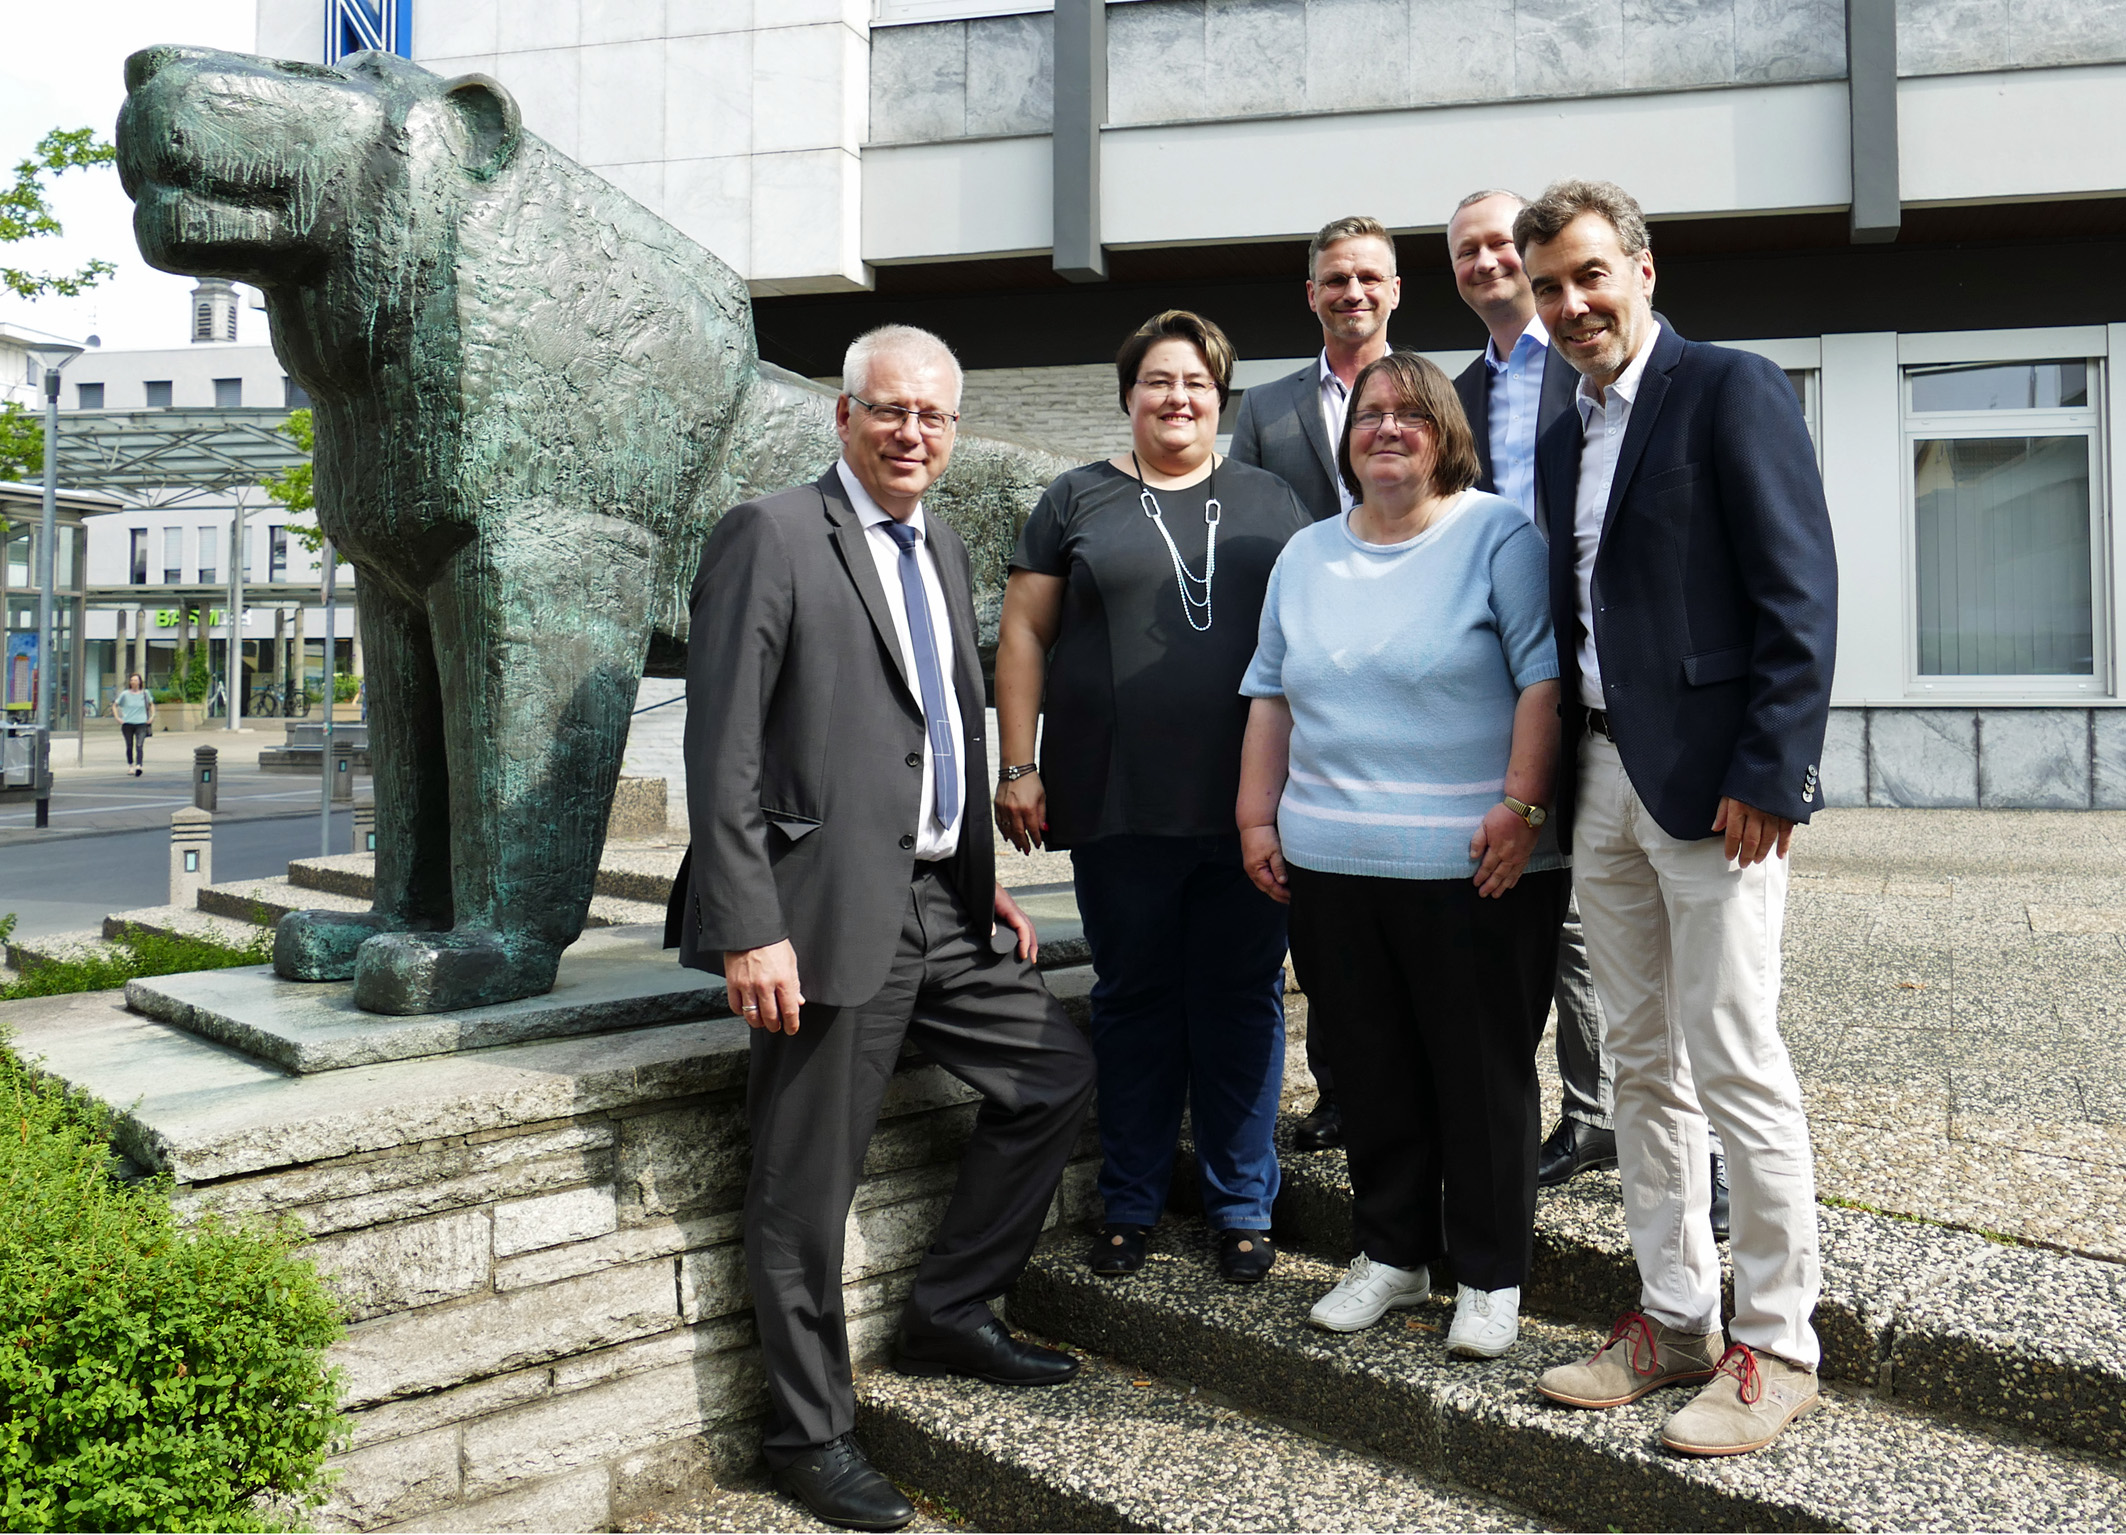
(1473, 387)
(1715, 591)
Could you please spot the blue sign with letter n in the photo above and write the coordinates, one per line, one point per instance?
(359, 26)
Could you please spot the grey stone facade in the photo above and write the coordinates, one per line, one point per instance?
(1189, 60)
(1993, 759)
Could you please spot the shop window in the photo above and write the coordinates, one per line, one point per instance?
(2007, 523)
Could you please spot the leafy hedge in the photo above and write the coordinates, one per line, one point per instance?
(152, 1376)
(134, 953)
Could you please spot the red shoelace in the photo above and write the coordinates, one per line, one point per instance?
(1745, 1372)
(1639, 1332)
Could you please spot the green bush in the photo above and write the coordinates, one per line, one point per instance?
(344, 686)
(193, 682)
(152, 1376)
(135, 953)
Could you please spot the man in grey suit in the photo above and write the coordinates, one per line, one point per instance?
(844, 882)
(1291, 427)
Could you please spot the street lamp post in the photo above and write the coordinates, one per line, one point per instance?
(236, 615)
(55, 355)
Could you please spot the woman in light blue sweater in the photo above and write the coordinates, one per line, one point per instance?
(1394, 790)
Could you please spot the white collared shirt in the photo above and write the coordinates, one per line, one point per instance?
(1335, 403)
(1512, 402)
(1605, 416)
(933, 840)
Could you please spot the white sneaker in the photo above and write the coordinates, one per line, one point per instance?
(1486, 1322)
(1369, 1291)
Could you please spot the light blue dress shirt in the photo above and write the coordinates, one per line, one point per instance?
(1516, 394)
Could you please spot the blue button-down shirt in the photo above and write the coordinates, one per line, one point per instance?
(1516, 395)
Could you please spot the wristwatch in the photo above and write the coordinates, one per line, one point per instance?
(1534, 815)
(1014, 774)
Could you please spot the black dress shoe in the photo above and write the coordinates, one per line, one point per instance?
(1117, 1250)
(988, 1353)
(841, 1487)
(1245, 1256)
(1574, 1147)
(1719, 1197)
(1322, 1130)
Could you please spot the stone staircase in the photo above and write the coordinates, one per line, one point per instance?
(1969, 1384)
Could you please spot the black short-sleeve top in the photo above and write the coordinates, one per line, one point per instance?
(1144, 716)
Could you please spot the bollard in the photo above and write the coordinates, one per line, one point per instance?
(342, 771)
(364, 840)
(204, 788)
(191, 855)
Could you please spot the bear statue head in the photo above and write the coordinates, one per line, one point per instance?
(256, 170)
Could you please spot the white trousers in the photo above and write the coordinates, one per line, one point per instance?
(1685, 952)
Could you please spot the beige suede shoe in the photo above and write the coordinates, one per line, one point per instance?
(1750, 1402)
(1640, 1356)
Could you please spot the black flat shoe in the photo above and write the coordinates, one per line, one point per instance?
(841, 1487)
(988, 1353)
(1117, 1250)
(1245, 1256)
(1322, 1130)
(1574, 1147)
(1720, 1202)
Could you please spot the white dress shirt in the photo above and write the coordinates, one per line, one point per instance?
(933, 839)
(1605, 415)
(1512, 402)
(1335, 403)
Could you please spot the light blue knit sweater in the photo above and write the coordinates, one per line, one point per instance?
(1402, 664)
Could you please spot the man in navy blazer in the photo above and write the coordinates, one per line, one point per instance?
(1694, 591)
(1517, 388)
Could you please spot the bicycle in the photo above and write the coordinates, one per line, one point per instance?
(265, 704)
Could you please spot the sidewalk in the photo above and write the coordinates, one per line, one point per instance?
(102, 795)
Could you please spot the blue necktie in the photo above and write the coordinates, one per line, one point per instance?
(945, 772)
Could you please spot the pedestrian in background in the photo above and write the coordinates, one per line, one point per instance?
(1132, 602)
(134, 709)
(1398, 763)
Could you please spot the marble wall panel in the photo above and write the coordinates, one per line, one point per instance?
(687, 18)
(1257, 51)
(919, 83)
(1157, 67)
(1011, 66)
(1939, 37)
(2033, 759)
(549, 24)
(1358, 54)
(2107, 753)
(799, 76)
(445, 31)
(708, 95)
(1568, 47)
(622, 21)
(1460, 50)
(806, 213)
(642, 180)
(1922, 759)
(547, 85)
(623, 103)
(1789, 40)
(2043, 32)
(1669, 44)
(1844, 769)
(710, 201)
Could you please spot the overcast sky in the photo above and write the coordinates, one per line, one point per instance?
(64, 67)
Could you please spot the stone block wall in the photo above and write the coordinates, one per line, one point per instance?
(550, 1320)
(1989, 759)
(1071, 410)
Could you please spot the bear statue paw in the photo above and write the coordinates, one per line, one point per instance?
(408, 973)
(321, 945)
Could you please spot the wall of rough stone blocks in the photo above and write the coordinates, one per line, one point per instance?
(550, 1320)
(1971, 758)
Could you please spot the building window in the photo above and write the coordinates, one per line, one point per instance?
(208, 538)
(88, 397)
(173, 556)
(276, 553)
(2007, 521)
(228, 393)
(137, 559)
(293, 395)
(158, 394)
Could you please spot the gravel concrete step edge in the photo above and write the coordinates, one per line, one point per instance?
(1114, 1450)
(1860, 1462)
(1940, 1318)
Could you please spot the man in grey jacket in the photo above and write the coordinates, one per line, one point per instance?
(1291, 427)
(843, 880)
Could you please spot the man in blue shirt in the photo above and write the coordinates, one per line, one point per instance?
(1511, 394)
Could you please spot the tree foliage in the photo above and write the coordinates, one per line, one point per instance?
(291, 488)
(26, 215)
(21, 445)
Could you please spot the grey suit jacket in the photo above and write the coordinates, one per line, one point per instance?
(1473, 387)
(804, 745)
(1279, 428)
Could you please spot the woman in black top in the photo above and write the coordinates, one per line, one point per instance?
(1134, 597)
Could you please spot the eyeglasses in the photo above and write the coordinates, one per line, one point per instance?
(936, 422)
(1194, 388)
(1374, 420)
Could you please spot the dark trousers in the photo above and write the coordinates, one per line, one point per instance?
(1440, 997)
(136, 744)
(813, 1099)
(1187, 1010)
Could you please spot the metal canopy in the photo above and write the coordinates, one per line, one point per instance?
(165, 458)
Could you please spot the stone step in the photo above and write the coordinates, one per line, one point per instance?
(1115, 1449)
(27, 954)
(1860, 1462)
(1941, 1319)
(337, 873)
(182, 922)
(754, 1505)
(264, 902)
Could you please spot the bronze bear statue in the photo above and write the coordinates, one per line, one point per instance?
(532, 400)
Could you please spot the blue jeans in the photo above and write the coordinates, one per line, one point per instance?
(1187, 1008)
